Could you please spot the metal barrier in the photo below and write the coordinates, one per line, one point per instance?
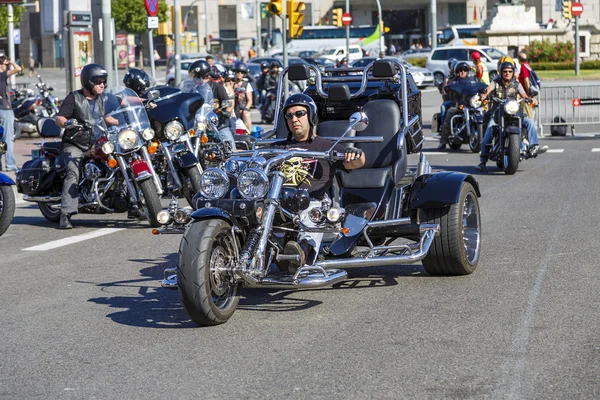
(568, 105)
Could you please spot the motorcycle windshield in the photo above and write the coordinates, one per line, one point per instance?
(466, 87)
(124, 120)
(197, 86)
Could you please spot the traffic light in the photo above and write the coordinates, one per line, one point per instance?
(337, 16)
(175, 24)
(275, 7)
(566, 9)
(294, 9)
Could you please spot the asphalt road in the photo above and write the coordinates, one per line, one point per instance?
(89, 319)
(86, 317)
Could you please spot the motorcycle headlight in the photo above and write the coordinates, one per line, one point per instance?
(128, 138)
(108, 147)
(163, 217)
(511, 107)
(201, 122)
(148, 134)
(173, 130)
(253, 184)
(475, 101)
(214, 183)
(335, 214)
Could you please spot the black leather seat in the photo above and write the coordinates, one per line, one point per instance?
(382, 159)
(52, 148)
(47, 128)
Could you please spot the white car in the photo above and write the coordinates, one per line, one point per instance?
(185, 65)
(422, 76)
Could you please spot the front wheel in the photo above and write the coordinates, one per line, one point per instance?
(455, 251)
(151, 200)
(7, 207)
(208, 293)
(512, 155)
(190, 180)
(475, 140)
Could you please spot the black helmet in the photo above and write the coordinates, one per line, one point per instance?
(215, 73)
(300, 99)
(451, 63)
(199, 69)
(92, 73)
(461, 66)
(229, 75)
(274, 65)
(264, 65)
(507, 65)
(240, 67)
(137, 80)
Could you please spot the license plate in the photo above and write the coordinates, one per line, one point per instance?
(35, 153)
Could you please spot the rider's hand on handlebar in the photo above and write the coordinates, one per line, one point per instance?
(352, 154)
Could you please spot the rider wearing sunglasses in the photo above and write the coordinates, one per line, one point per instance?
(83, 105)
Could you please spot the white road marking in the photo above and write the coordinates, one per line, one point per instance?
(434, 153)
(556, 150)
(73, 239)
(596, 150)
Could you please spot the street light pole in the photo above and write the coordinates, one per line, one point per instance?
(381, 27)
(206, 24)
(258, 16)
(11, 39)
(433, 28)
(177, 33)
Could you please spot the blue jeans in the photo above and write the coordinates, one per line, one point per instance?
(444, 109)
(226, 136)
(487, 138)
(7, 120)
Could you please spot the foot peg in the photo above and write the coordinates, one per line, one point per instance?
(170, 281)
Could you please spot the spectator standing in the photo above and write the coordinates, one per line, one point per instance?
(156, 55)
(392, 49)
(7, 116)
(31, 65)
(524, 80)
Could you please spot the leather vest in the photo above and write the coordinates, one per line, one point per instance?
(83, 114)
(510, 91)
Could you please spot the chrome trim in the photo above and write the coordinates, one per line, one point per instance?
(41, 199)
(423, 167)
(130, 186)
(146, 155)
(305, 278)
(169, 157)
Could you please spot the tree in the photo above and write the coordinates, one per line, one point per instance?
(130, 16)
(18, 14)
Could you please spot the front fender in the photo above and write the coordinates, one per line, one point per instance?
(186, 159)
(513, 130)
(5, 180)
(439, 190)
(213, 212)
(140, 169)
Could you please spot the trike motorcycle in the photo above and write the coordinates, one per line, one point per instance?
(247, 213)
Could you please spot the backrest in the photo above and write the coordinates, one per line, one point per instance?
(47, 128)
(384, 120)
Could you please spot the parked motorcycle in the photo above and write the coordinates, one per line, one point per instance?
(7, 196)
(464, 119)
(116, 174)
(506, 148)
(27, 108)
(49, 103)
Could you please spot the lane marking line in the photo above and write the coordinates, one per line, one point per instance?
(555, 151)
(73, 239)
(435, 153)
(596, 150)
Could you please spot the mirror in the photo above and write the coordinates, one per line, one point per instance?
(70, 122)
(153, 94)
(359, 121)
(213, 120)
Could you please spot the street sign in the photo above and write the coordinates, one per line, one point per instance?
(590, 101)
(152, 22)
(151, 7)
(346, 19)
(80, 18)
(576, 9)
(17, 35)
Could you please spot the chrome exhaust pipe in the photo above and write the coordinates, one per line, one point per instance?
(41, 199)
(317, 277)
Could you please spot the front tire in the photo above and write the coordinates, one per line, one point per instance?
(191, 183)
(456, 250)
(7, 207)
(475, 142)
(209, 297)
(151, 200)
(512, 155)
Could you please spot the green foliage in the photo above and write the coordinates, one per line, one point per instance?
(130, 15)
(546, 50)
(18, 14)
(555, 66)
(418, 62)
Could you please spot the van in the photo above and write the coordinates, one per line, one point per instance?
(437, 62)
(185, 56)
(337, 53)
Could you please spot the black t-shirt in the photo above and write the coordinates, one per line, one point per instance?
(219, 91)
(321, 172)
(4, 96)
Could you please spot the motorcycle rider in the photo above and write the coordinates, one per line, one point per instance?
(228, 81)
(300, 112)
(83, 105)
(270, 83)
(200, 72)
(507, 86)
(446, 100)
(260, 83)
(461, 73)
(481, 70)
(243, 94)
(137, 80)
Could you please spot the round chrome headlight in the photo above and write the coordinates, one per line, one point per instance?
(148, 134)
(214, 183)
(475, 101)
(335, 214)
(128, 138)
(511, 107)
(108, 147)
(253, 184)
(163, 217)
(173, 130)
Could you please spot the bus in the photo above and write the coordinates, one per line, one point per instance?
(321, 38)
(459, 35)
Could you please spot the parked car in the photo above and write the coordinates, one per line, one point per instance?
(415, 53)
(422, 76)
(185, 56)
(337, 53)
(437, 62)
(325, 62)
(185, 65)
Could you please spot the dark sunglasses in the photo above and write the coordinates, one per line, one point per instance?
(507, 71)
(100, 82)
(298, 114)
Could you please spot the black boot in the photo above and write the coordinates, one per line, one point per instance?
(65, 222)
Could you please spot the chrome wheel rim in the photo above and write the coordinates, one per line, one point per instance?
(471, 230)
(222, 286)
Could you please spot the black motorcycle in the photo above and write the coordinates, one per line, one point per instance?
(506, 148)
(463, 123)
